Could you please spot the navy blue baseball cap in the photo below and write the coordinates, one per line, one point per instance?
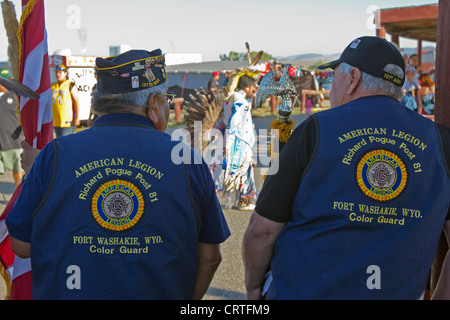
(131, 71)
(371, 55)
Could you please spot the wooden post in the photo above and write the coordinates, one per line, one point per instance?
(381, 32)
(303, 106)
(177, 106)
(442, 75)
(442, 109)
(396, 40)
(273, 104)
(419, 50)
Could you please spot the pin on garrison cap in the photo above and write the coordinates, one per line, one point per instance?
(131, 71)
(371, 55)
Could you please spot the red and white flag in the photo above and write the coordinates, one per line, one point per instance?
(37, 123)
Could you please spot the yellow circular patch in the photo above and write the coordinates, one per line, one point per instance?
(117, 205)
(381, 175)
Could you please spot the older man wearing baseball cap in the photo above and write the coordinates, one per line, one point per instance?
(362, 194)
(107, 213)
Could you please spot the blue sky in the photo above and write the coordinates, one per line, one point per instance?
(209, 27)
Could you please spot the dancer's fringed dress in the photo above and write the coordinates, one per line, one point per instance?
(239, 174)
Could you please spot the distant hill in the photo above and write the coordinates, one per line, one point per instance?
(305, 56)
(308, 59)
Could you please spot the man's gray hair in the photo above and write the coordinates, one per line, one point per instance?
(129, 102)
(377, 85)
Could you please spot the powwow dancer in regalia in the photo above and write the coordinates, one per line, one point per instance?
(239, 180)
(229, 145)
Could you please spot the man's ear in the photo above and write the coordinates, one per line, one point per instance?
(152, 109)
(355, 79)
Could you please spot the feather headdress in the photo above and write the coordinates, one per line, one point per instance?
(236, 75)
(248, 71)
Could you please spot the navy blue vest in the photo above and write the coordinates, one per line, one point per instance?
(369, 210)
(118, 215)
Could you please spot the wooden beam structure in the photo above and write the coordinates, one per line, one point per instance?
(416, 22)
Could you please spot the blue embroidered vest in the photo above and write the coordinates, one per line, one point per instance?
(369, 210)
(118, 215)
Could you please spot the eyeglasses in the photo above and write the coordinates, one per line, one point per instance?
(170, 97)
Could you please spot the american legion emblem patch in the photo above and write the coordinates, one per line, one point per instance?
(381, 175)
(117, 205)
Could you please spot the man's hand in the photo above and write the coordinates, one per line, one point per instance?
(28, 155)
(209, 259)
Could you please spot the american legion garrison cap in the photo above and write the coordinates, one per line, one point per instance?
(371, 55)
(130, 71)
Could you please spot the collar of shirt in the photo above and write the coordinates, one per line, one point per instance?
(123, 119)
(240, 94)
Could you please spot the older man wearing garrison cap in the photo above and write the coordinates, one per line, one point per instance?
(106, 213)
(362, 194)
